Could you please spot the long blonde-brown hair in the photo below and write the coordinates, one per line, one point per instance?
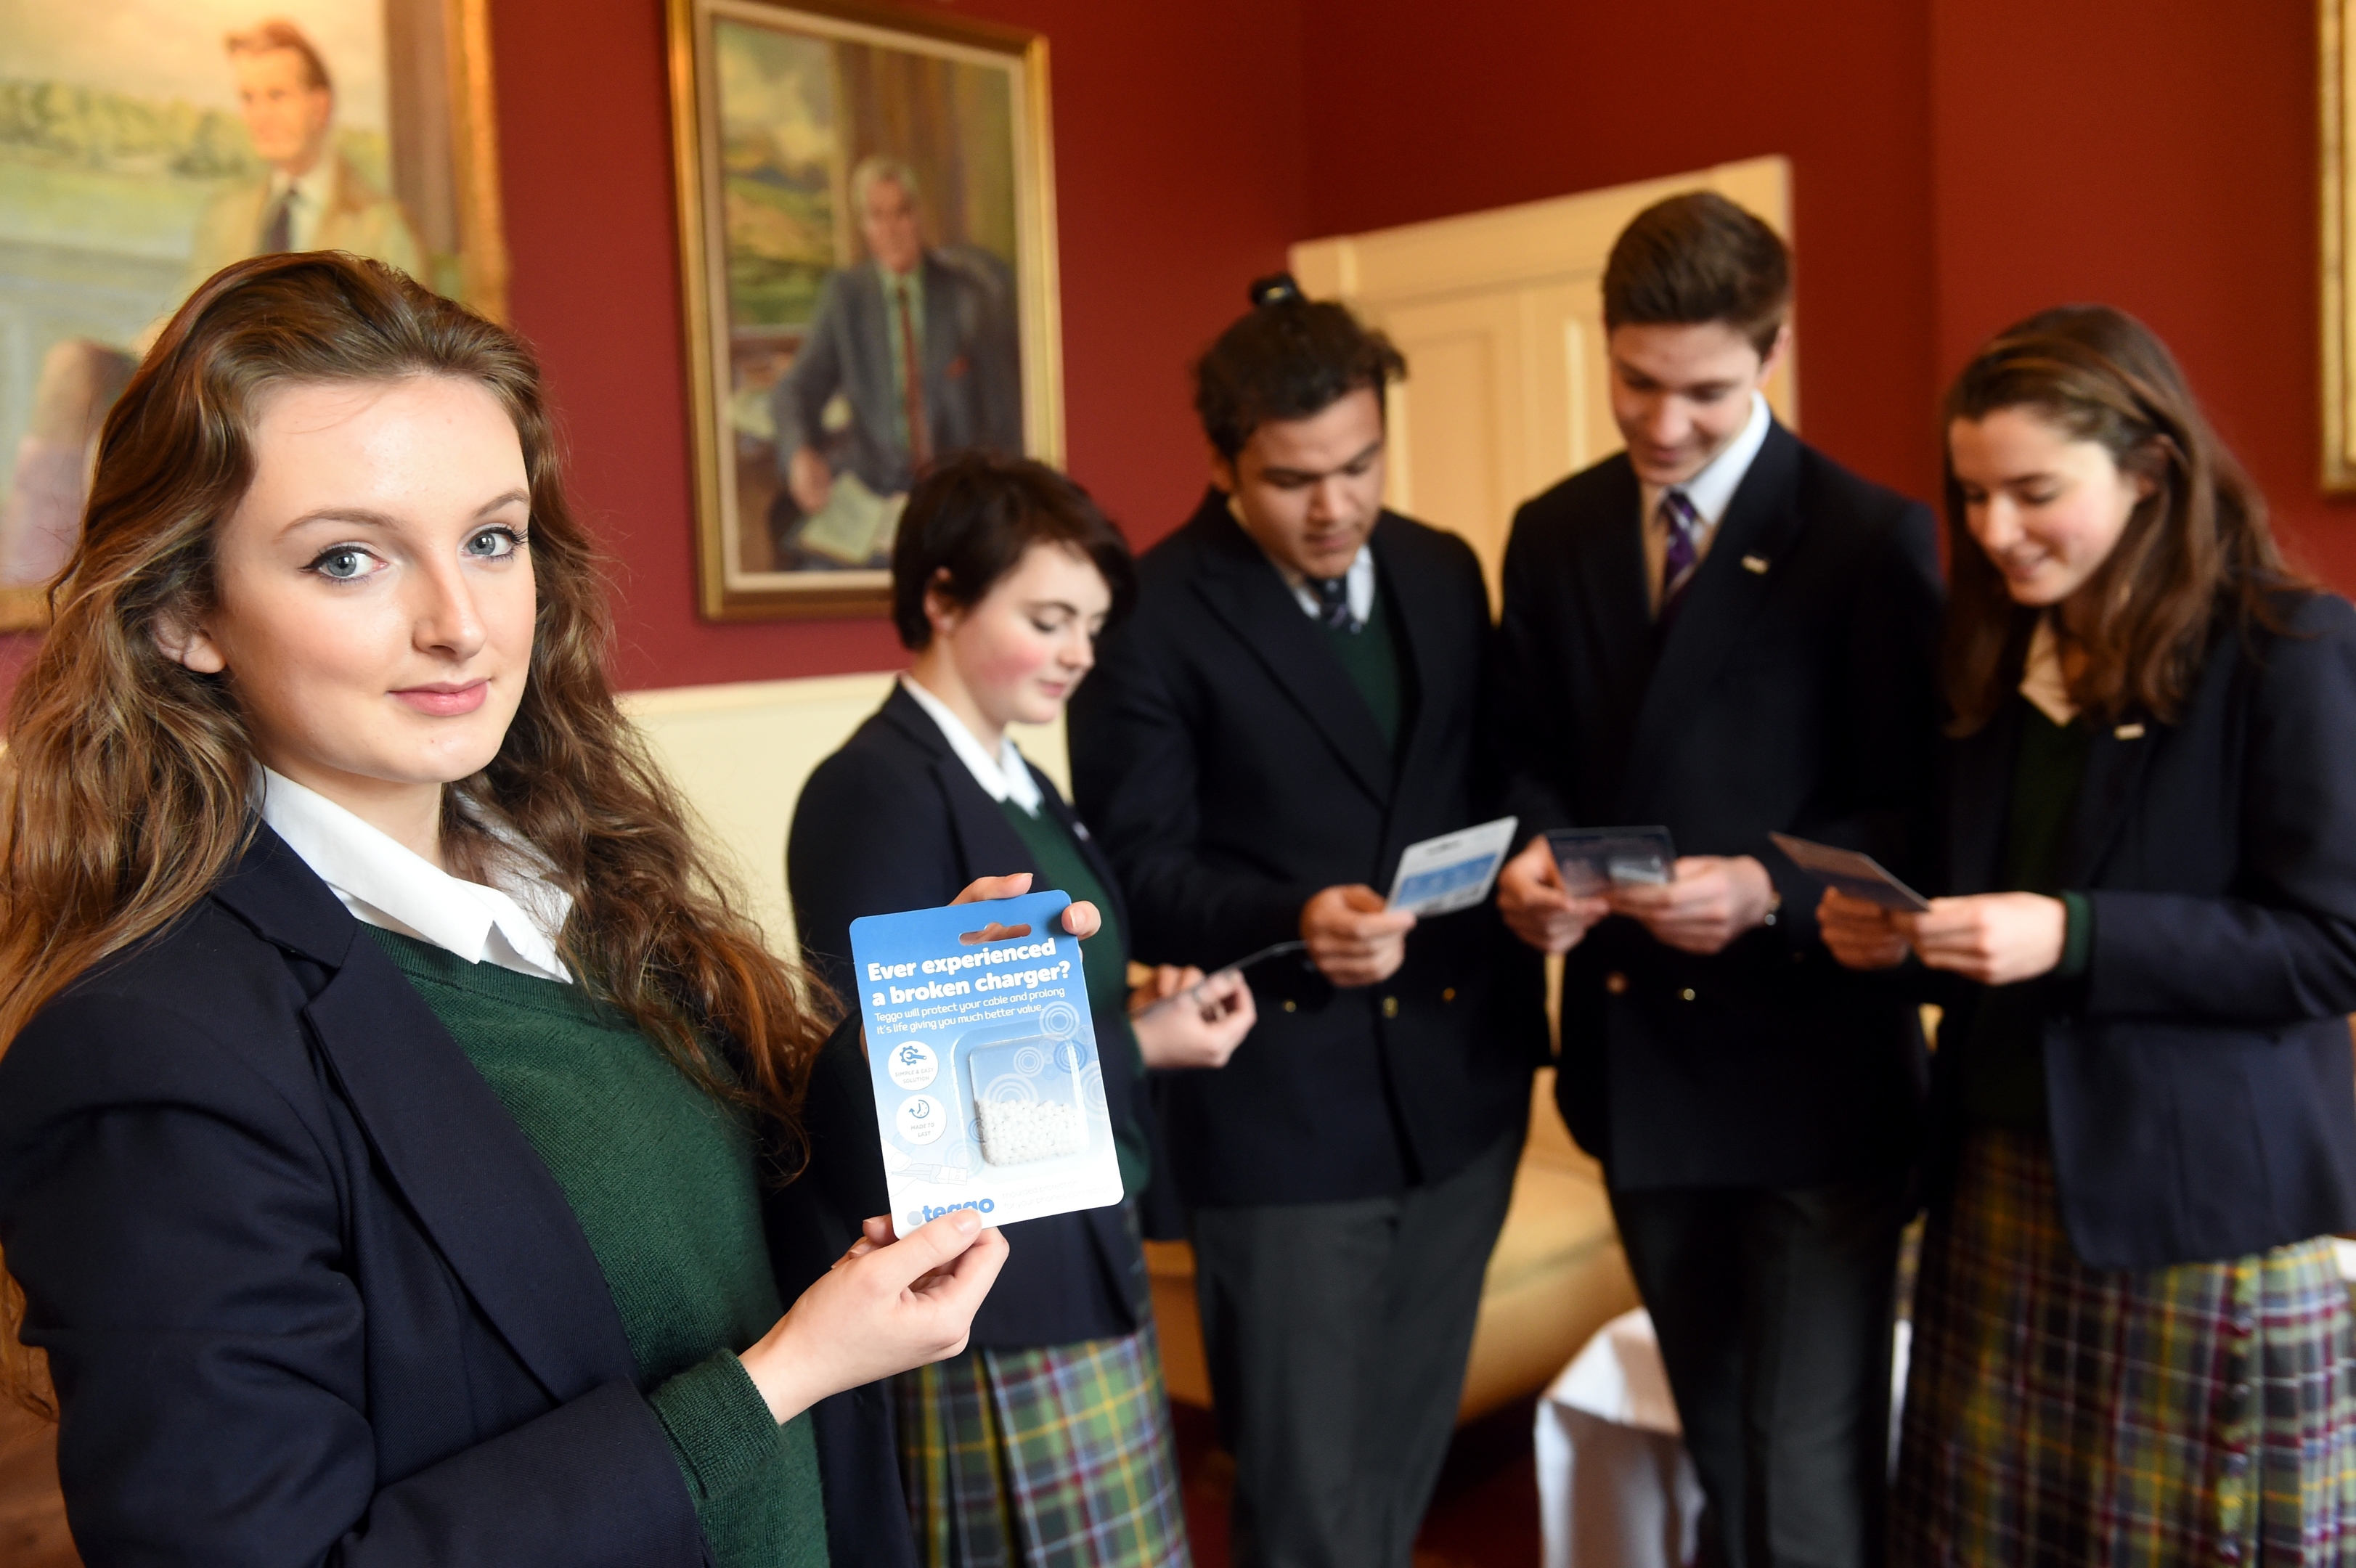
(2197, 553)
(125, 793)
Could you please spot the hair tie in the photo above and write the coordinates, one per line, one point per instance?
(1275, 289)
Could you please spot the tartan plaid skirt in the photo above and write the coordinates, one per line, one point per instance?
(1055, 1458)
(2059, 1414)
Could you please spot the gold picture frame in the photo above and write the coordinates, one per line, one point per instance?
(414, 115)
(2338, 164)
(786, 114)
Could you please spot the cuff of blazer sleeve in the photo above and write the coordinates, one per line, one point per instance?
(2078, 936)
(720, 1427)
(1276, 919)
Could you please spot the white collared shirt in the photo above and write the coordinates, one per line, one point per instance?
(1710, 492)
(1004, 777)
(315, 192)
(2041, 677)
(385, 883)
(1361, 576)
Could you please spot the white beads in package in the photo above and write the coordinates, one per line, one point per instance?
(990, 1092)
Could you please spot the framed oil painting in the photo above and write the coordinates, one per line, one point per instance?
(146, 144)
(867, 245)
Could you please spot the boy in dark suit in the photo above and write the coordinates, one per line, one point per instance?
(1721, 631)
(1292, 703)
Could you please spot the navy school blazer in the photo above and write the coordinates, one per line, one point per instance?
(309, 1296)
(895, 821)
(2198, 1076)
(1233, 771)
(1793, 692)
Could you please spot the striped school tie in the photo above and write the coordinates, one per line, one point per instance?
(1683, 525)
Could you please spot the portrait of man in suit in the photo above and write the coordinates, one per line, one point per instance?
(312, 198)
(918, 344)
(263, 156)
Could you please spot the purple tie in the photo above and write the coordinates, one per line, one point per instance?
(1678, 562)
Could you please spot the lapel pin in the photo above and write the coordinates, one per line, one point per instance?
(2127, 732)
(1755, 563)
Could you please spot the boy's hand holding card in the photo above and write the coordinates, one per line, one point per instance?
(1453, 872)
(1594, 860)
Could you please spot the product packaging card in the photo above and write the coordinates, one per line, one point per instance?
(1593, 860)
(1443, 875)
(1859, 876)
(989, 1092)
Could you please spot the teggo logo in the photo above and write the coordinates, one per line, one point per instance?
(919, 1216)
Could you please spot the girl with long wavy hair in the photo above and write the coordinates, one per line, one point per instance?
(406, 1145)
(2131, 1342)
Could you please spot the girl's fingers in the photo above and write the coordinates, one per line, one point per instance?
(986, 888)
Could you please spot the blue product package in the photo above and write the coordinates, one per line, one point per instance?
(989, 1092)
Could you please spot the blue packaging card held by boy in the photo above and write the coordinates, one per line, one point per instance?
(989, 1094)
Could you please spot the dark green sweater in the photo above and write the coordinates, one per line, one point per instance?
(1104, 965)
(665, 1182)
(1370, 654)
(2002, 1070)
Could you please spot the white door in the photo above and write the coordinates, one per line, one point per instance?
(1500, 314)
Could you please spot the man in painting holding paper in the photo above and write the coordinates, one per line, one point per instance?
(1293, 707)
(1722, 633)
(920, 345)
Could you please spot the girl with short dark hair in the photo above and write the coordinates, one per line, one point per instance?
(1047, 1444)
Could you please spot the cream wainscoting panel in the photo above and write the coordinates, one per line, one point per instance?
(742, 752)
(1500, 316)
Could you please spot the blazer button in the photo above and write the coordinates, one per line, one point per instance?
(1390, 1006)
(1616, 983)
(1290, 1005)
(1688, 993)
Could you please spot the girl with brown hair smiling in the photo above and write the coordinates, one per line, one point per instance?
(393, 1097)
(2132, 1345)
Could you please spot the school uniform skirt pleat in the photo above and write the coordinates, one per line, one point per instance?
(2059, 1414)
(1055, 1458)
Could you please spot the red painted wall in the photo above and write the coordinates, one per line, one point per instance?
(1417, 112)
(1957, 163)
(1179, 166)
(2159, 155)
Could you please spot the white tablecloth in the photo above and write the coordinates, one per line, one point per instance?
(1616, 1489)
